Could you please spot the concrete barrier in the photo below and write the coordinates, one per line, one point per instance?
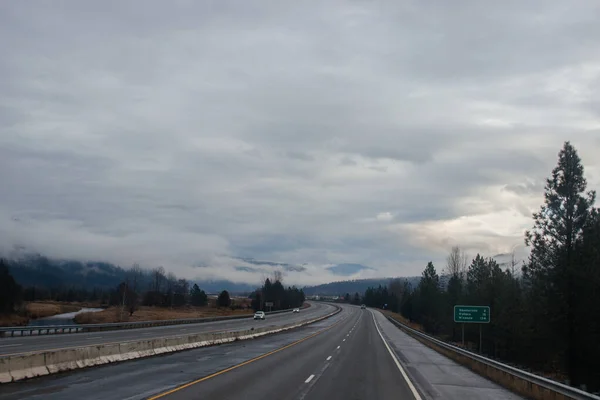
(109, 353)
(87, 356)
(159, 346)
(29, 365)
(61, 360)
(129, 350)
(5, 370)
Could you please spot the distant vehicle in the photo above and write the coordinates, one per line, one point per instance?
(362, 306)
(296, 310)
(259, 315)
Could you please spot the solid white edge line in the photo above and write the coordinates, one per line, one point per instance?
(408, 382)
(309, 379)
(328, 358)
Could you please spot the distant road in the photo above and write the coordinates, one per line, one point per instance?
(15, 345)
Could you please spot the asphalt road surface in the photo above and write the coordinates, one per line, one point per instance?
(17, 345)
(356, 354)
(347, 360)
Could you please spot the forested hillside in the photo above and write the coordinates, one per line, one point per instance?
(545, 316)
(352, 286)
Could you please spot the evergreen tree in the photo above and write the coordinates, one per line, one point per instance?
(552, 270)
(198, 297)
(224, 300)
(10, 291)
(427, 299)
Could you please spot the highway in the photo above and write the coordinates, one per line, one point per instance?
(17, 345)
(356, 354)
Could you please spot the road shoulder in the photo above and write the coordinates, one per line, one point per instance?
(434, 375)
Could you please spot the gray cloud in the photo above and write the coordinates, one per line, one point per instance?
(316, 132)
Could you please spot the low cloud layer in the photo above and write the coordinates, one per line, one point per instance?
(316, 133)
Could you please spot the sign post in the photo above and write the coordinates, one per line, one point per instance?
(269, 304)
(480, 341)
(472, 315)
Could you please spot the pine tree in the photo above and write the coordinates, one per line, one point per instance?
(428, 299)
(588, 310)
(224, 300)
(197, 296)
(10, 291)
(558, 228)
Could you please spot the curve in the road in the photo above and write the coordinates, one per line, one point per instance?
(182, 387)
(348, 359)
(27, 344)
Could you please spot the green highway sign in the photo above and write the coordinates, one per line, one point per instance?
(472, 314)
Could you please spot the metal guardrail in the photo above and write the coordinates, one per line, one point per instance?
(549, 384)
(60, 329)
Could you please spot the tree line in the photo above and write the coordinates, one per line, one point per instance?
(545, 316)
(138, 287)
(274, 292)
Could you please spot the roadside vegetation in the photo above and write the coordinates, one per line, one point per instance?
(545, 313)
(157, 294)
(145, 313)
(143, 295)
(27, 311)
(273, 296)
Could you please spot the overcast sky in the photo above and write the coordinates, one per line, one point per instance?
(185, 133)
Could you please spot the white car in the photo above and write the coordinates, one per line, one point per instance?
(296, 310)
(259, 315)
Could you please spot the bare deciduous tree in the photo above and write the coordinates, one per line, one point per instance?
(277, 276)
(135, 276)
(158, 277)
(396, 287)
(456, 262)
(513, 264)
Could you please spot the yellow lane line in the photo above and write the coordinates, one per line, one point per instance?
(161, 395)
